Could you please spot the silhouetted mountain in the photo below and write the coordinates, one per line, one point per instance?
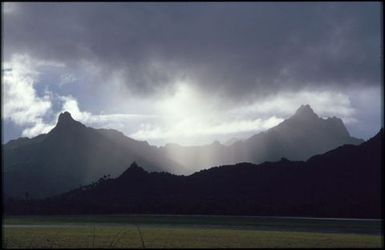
(297, 138)
(344, 182)
(71, 155)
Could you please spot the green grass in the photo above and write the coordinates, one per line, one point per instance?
(160, 232)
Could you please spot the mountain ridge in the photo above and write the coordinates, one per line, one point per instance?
(296, 138)
(342, 183)
(72, 154)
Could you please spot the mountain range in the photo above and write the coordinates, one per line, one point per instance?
(297, 138)
(344, 182)
(72, 155)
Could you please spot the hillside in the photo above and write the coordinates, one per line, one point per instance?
(71, 155)
(344, 182)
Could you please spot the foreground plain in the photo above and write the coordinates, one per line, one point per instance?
(151, 231)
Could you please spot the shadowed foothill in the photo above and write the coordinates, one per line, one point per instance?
(344, 182)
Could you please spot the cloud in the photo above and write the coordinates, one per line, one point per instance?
(187, 133)
(189, 114)
(39, 127)
(116, 121)
(187, 130)
(229, 49)
(325, 103)
(21, 103)
(181, 114)
(184, 115)
(206, 68)
(67, 78)
(23, 106)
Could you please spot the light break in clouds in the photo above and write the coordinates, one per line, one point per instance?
(189, 73)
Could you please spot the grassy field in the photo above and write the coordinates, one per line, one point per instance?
(136, 231)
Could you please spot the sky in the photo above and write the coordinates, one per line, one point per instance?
(189, 73)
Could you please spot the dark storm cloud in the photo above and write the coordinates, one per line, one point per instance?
(234, 48)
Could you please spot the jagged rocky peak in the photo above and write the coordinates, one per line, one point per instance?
(336, 120)
(305, 111)
(65, 117)
(66, 120)
(133, 171)
(135, 166)
(337, 125)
